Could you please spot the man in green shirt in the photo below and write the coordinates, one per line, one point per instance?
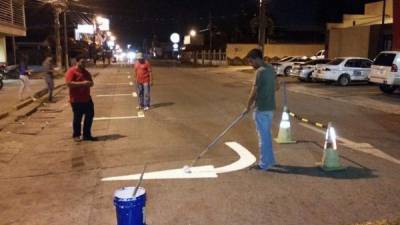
(262, 95)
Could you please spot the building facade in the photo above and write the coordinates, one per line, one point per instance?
(12, 23)
(363, 35)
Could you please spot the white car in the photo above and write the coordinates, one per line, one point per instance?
(304, 71)
(344, 70)
(319, 55)
(385, 71)
(283, 66)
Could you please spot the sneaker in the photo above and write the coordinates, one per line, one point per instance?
(77, 139)
(146, 108)
(91, 138)
(255, 167)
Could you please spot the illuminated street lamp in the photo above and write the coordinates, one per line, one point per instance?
(193, 33)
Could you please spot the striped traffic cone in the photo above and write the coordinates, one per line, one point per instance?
(330, 159)
(285, 134)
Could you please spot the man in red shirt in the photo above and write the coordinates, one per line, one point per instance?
(144, 80)
(79, 81)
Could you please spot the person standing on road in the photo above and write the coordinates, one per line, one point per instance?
(48, 67)
(263, 96)
(24, 74)
(79, 81)
(144, 80)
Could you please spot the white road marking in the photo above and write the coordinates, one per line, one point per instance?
(130, 83)
(361, 147)
(115, 118)
(246, 159)
(114, 95)
(139, 116)
(134, 94)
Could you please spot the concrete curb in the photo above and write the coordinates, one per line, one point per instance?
(39, 94)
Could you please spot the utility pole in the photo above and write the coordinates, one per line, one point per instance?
(262, 25)
(210, 28)
(66, 40)
(382, 30)
(57, 12)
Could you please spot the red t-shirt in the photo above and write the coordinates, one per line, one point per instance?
(78, 94)
(142, 72)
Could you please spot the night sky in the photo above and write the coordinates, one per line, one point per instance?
(135, 20)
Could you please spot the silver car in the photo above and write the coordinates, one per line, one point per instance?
(304, 71)
(283, 67)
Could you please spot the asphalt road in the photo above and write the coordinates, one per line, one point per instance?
(46, 178)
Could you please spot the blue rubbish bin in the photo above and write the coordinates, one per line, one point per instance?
(130, 210)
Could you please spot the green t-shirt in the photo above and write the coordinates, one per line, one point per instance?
(265, 88)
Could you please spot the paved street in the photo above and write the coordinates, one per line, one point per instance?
(46, 178)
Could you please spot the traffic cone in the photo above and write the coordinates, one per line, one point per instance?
(285, 134)
(330, 159)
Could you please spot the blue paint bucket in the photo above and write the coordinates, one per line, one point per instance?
(130, 210)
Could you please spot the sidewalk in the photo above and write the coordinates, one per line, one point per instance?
(9, 94)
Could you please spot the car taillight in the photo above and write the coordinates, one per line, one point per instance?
(394, 68)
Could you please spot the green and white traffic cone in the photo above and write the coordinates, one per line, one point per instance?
(330, 159)
(285, 134)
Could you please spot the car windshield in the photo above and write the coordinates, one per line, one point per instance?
(384, 59)
(285, 59)
(335, 62)
(315, 62)
(301, 60)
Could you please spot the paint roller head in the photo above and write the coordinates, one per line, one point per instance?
(186, 169)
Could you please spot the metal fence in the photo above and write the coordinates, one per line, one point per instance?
(12, 12)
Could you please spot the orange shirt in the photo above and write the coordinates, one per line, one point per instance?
(143, 71)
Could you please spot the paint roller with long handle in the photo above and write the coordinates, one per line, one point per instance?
(186, 168)
(140, 181)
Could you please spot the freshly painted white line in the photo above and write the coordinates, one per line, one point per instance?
(110, 84)
(140, 114)
(114, 95)
(361, 147)
(246, 159)
(134, 94)
(197, 172)
(116, 118)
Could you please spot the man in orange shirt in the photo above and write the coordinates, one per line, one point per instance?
(144, 80)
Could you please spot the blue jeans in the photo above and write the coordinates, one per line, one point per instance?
(263, 120)
(143, 91)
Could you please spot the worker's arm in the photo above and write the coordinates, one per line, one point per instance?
(69, 77)
(252, 97)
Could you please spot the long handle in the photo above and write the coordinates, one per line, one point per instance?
(218, 137)
(140, 181)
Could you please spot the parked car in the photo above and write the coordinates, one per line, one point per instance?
(283, 67)
(304, 71)
(385, 71)
(344, 70)
(319, 55)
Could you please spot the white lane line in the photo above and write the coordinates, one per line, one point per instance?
(133, 94)
(114, 95)
(140, 115)
(246, 159)
(361, 147)
(116, 118)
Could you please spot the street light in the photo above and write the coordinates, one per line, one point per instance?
(193, 33)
